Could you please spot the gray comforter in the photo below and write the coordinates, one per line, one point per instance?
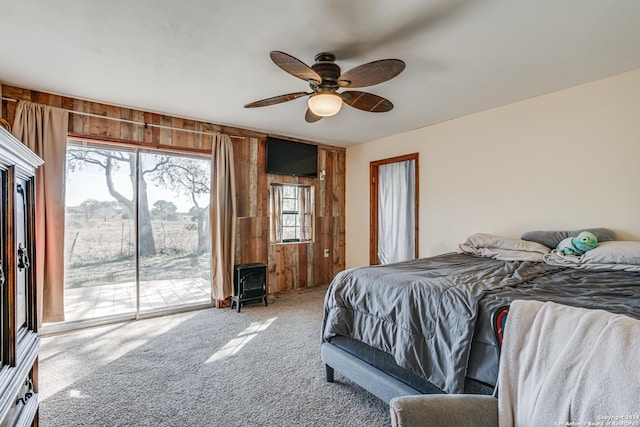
(423, 312)
(614, 291)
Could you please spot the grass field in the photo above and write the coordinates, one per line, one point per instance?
(100, 249)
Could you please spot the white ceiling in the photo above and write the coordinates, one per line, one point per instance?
(205, 59)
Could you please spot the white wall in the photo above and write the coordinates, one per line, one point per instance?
(565, 160)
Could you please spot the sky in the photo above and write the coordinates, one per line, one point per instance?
(90, 183)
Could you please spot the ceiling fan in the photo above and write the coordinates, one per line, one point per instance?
(325, 79)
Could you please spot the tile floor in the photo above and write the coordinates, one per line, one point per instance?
(119, 299)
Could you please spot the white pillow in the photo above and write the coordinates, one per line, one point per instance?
(484, 240)
(503, 248)
(614, 252)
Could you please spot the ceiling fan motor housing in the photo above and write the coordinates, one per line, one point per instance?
(326, 67)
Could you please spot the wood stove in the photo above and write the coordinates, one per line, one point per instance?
(249, 284)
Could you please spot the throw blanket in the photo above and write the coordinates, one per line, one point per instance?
(563, 365)
(558, 258)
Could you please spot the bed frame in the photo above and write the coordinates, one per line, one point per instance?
(377, 372)
(372, 379)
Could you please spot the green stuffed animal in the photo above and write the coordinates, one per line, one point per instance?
(578, 245)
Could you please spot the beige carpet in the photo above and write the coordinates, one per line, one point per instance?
(214, 367)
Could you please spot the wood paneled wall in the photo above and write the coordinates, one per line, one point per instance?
(291, 266)
(113, 130)
(297, 265)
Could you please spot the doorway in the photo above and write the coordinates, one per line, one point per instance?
(394, 209)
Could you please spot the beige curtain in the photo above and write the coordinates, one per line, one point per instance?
(44, 130)
(223, 217)
(275, 213)
(305, 211)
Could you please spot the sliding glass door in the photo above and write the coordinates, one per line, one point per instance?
(174, 238)
(100, 233)
(136, 235)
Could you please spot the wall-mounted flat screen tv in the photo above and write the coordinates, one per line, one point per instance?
(291, 158)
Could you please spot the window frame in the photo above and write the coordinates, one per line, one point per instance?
(279, 240)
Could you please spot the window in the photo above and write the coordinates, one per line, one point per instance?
(291, 213)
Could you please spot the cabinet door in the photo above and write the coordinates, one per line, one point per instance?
(17, 311)
(3, 265)
(8, 263)
(22, 253)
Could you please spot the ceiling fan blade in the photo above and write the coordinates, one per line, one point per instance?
(366, 101)
(295, 67)
(276, 99)
(310, 117)
(371, 73)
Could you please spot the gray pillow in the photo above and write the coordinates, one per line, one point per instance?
(551, 238)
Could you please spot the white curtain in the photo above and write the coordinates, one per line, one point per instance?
(275, 213)
(396, 212)
(305, 209)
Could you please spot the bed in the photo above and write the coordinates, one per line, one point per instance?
(432, 325)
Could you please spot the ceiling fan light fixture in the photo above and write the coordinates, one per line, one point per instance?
(325, 104)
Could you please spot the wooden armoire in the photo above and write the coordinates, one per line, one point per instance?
(18, 312)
